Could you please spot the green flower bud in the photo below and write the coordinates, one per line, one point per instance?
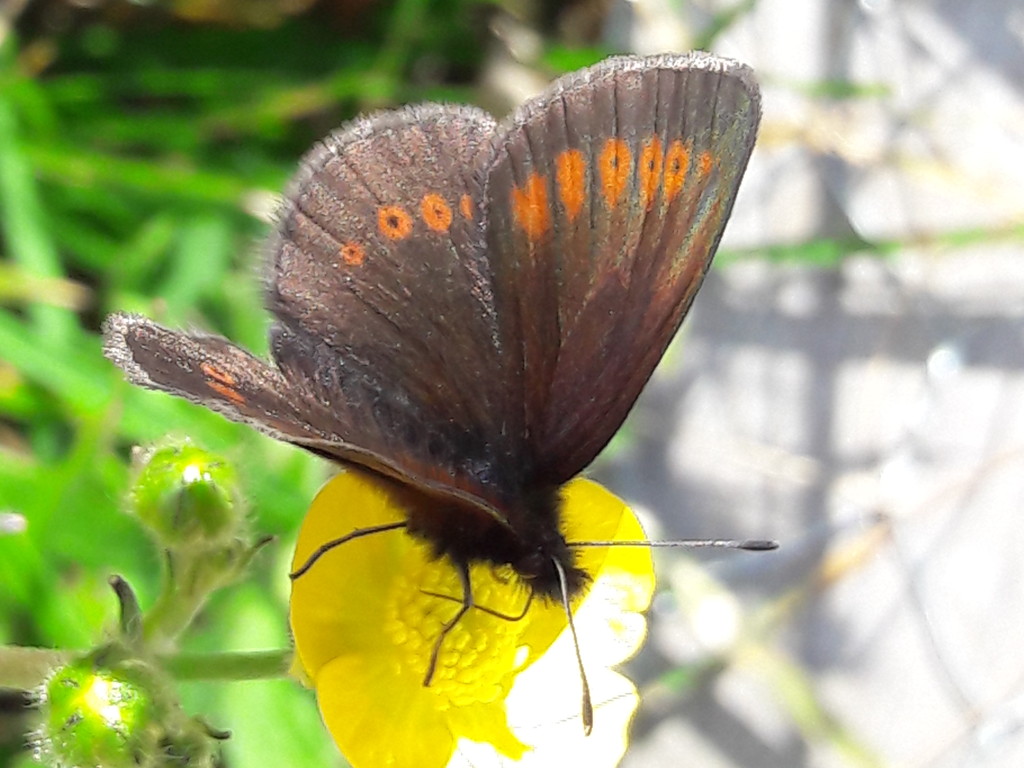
(97, 717)
(112, 710)
(188, 495)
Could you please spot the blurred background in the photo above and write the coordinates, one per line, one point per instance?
(850, 381)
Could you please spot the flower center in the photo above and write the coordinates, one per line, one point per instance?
(481, 653)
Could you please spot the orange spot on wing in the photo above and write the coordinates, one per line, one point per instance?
(228, 392)
(212, 372)
(222, 382)
(530, 206)
(705, 163)
(353, 254)
(651, 159)
(677, 163)
(436, 213)
(466, 206)
(614, 164)
(394, 222)
(571, 174)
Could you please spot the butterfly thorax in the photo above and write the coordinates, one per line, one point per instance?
(529, 541)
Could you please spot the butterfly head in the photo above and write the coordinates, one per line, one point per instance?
(540, 555)
(539, 569)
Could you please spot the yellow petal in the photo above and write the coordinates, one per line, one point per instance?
(378, 722)
(338, 602)
(368, 614)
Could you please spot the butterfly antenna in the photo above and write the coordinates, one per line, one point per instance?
(750, 545)
(587, 706)
(323, 549)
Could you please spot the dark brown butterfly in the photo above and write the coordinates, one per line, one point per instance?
(469, 309)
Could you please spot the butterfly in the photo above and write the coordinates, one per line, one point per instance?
(468, 309)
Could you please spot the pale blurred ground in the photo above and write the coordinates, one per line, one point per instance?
(869, 415)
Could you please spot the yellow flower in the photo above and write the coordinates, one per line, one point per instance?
(365, 627)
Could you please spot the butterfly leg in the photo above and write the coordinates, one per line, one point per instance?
(467, 602)
(490, 611)
(323, 549)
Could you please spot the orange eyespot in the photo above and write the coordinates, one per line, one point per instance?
(466, 206)
(530, 206)
(353, 254)
(571, 175)
(651, 159)
(615, 162)
(677, 163)
(394, 222)
(705, 163)
(436, 213)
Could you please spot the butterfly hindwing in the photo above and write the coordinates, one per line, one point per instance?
(210, 371)
(213, 372)
(606, 199)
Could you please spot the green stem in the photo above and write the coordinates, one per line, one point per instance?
(26, 668)
(181, 596)
(237, 665)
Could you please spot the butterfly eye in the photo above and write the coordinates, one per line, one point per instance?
(533, 566)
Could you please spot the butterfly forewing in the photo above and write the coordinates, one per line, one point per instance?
(606, 199)
(383, 298)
